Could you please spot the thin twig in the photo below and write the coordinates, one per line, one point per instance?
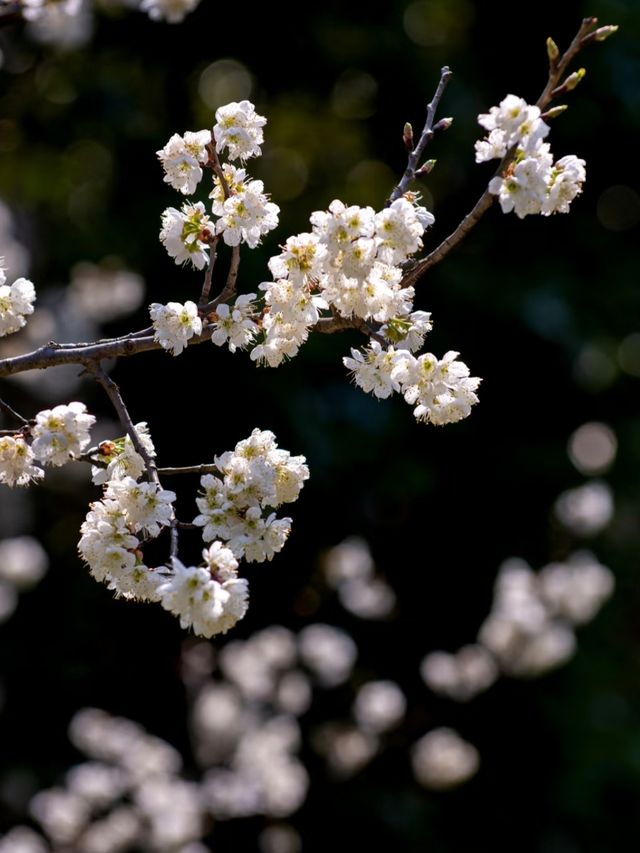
(230, 287)
(6, 408)
(113, 392)
(214, 163)
(188, 469)
(414, 157)
(556, 70)
(206, 287)
(174, 537)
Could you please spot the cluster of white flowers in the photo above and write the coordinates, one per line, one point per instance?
(58, 436)
(533, 183)
(246, 213)
(32, 10)
(461, 675)
(256, 477)
(16, 303)
(175, 324)
(238, 128)
(351, 263)
(182, 159)
(129, 793)
(17, 466)
(350, 570)
(529, 629)
(440, 389)
(61, 433)
(210, 599)
(236, 324)
(242, 210)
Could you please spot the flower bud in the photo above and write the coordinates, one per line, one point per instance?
(443, 124)
(552, 51)
(554, 112)
(426, 167)
(407, 136)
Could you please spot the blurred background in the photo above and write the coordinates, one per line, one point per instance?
(546, 310)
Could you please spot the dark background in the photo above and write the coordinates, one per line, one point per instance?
(523, 301)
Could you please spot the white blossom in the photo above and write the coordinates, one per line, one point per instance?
(171, 11)
(236, 323)
(175, 324)
(182, 159)
(147, 506)
(61, 433)
(442, 389)
(17, 462)
(238, 129)
(16, 303)
(246, 215)
(513, 122)
(375, 370)
(122, 459)
(186, 233)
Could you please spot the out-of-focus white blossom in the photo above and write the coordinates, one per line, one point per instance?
(23, 561)
(170, 11)
(329, 652)
(593, 448)
(62, 813)
(104, 294)
(367, 598)
(347, 749)
(21, 839)
(16, 303)
(351, 558)
(462, 675)
(576, 589)
(279, 838)
(379, 706)
(442, 759)
(61, 433)
(586, 510)
(175, 324)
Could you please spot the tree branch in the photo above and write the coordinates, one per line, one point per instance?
(6, 408)
(427, 133)
(113, 392)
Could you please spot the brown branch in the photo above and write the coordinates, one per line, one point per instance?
(206, 287)
(230, 286)
(188, 469)
(114, 394)
(427, 133)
